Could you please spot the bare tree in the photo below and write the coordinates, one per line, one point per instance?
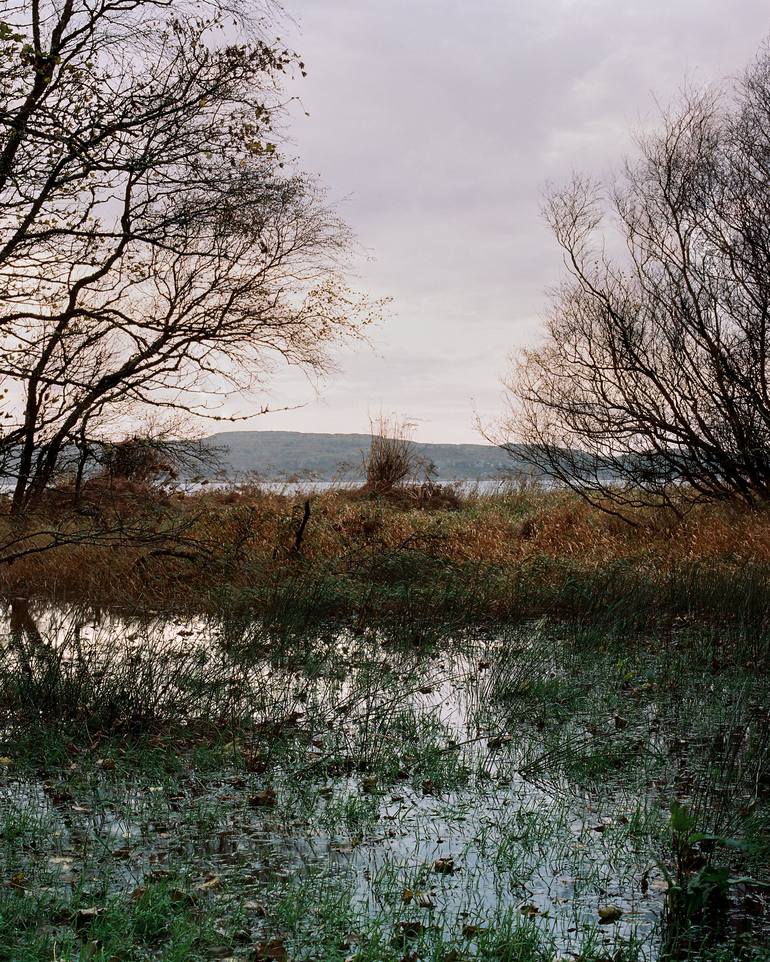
(652, 382)
(153, 252)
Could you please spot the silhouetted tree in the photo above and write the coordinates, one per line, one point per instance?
(152, 250)
(652, 381)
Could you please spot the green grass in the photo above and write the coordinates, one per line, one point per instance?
(424, 596)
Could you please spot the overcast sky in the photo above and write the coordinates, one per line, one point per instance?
(435, 125)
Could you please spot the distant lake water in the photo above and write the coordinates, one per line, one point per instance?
(306, 487)
(294, 488)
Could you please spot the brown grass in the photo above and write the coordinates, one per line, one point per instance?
(235, 536)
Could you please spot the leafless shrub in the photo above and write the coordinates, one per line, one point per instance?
(391, 460)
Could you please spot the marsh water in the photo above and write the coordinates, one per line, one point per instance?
(349, 794)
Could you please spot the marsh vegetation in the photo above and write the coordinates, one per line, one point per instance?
(220, 788)
(405, 722)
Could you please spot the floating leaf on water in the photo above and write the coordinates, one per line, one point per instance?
(84, 917)
(609, 914)
(272, 951)
(498, 741)
(264, 799)
(410, 929)
(256, 908)
(753, 905)
(209, 884)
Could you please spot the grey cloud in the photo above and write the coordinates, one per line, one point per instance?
(435, 124)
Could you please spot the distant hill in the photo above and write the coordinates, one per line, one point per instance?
(278, 455)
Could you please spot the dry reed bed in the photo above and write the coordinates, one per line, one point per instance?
(231, 536)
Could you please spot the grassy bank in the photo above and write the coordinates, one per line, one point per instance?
(408, 557)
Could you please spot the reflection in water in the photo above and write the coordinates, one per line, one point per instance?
(487, 775)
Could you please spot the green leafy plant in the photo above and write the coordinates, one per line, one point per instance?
(699, 893)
